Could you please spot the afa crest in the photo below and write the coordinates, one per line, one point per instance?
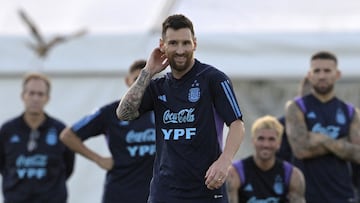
(278, 185)
(51, 137)
(194, 92)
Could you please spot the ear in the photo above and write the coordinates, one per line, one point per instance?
(127, 81)
(308, 76)
(161, 45)
(195, 43)
(338, 74)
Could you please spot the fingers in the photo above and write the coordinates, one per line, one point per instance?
(106, 163)
(157, 61)
(215, 182)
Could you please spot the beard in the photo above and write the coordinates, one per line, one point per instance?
(179, 67)
(323, 90)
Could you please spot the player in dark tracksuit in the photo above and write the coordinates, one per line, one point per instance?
(191, 104)
(189, 136)
(34, 163)
(132, 146)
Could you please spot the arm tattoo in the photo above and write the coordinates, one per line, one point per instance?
(348, 149)
(130, 103)
(340, 147)
(296, 129)
(298, 135)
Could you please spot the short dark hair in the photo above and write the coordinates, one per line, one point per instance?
(37, 76)
(177, 21)
(324, 55)
(137, 65)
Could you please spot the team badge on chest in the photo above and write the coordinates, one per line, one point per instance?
(51, 137)
(194, 92)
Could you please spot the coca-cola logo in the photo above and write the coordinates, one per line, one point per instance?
(331, 131)
(183, 116)
(147, 135)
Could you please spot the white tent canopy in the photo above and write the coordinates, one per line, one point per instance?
(119, 16)
(254, 39)
(243, 38)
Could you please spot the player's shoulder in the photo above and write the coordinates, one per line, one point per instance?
(53, 121)
(11, 122)
(209, 70)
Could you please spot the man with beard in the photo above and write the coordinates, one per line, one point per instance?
(191, 104)
(262, 177)
(324, 134)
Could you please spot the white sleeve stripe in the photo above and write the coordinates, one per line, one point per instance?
(231, 98)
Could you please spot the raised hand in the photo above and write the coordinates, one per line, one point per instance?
(157, 62)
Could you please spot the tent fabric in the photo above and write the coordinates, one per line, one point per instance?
(242, 38)
(242, 56)
(119, 16)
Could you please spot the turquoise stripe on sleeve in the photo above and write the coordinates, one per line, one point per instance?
(231, 97)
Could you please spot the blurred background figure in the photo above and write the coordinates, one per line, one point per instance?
(34, 163)
(324, 134)
(262, 177)
(131, 144)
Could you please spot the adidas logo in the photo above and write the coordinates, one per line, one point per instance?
(162, 98)
(311, 115)
(248, 188)
(15, 139)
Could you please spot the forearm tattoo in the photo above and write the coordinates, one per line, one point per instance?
(296, 129)
(348, 149)
(130, 103)
(298, 134)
